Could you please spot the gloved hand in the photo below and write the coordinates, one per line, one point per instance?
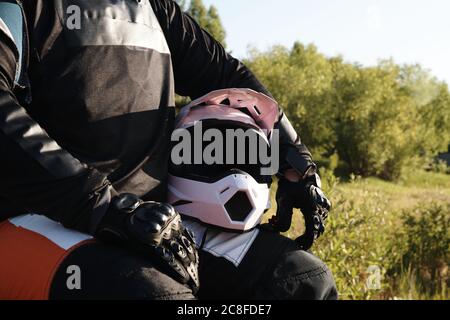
(154, 229)
(307, 196)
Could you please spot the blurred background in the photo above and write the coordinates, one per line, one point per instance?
(366, 85)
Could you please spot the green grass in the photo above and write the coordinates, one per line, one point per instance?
(368, 227)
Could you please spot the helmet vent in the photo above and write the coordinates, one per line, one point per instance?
(239, 207)
(257, 110)
(225, 190)
(246, 111)
(226, 102)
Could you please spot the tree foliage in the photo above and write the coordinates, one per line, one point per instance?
(377, 120)
(208, 18)
(373, 121)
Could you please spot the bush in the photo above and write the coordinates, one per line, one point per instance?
(373, 224)
(440, 166)
(424, 255)
(355, 240)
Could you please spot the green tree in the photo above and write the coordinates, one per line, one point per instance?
(182, 4)
(208, 18)
(376, 124)
(198, 11)
(215, 27)
(376, 120)
(301, 80)
(432, 100)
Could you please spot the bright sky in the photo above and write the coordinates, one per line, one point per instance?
(362, 31)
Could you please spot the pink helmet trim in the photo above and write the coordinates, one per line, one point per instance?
(264, 110)
(216, 112)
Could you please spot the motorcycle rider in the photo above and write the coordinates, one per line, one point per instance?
(85, 118)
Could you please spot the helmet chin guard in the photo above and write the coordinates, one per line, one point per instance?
(230, 198)
(236, 202)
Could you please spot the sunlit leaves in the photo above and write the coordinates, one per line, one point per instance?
(376, 119)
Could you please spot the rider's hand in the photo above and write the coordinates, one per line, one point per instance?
(154, 229)
(305, 194)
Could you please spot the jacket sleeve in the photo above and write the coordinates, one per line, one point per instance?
(200, 63)
(34, 171)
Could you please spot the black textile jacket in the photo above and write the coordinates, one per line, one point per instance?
(102, 75)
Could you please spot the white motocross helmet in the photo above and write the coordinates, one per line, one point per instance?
(232, 197)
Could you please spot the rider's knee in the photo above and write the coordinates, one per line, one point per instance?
(301, 275)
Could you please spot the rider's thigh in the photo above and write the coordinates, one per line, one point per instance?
(273, 268)
(298, 275)
(109, 272)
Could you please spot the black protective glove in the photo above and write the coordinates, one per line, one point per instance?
(155, 230)
(307, 196)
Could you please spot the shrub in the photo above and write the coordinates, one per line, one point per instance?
(424, 243)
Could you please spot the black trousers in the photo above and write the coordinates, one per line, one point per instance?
(273, 268)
